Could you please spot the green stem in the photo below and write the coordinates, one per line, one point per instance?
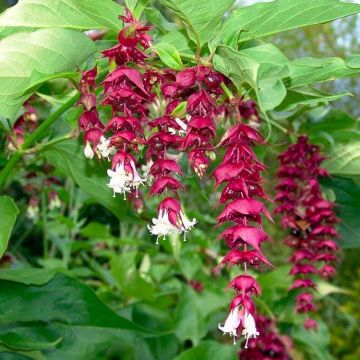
(34, 137)
(227, 91)
(44, 225)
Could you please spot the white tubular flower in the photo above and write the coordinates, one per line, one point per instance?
(104, 148)
(186, 223)
(231, 324)
(181, 124)
(136, 178)
(88, 151)
(120, 180)
(162, 226)
(54, 203)
(249, 330)
(32, 212)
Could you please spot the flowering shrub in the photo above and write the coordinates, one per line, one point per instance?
(139, 152)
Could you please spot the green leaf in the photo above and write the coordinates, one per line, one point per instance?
(307, 70)
(90, 175)
(136, 7)
(9, 212)
(9, 354)
(263, 19)
(344, 159)
(316, 343)
(169, 56)
(353, 61)
(189, 324)
(201, 18)
(29, 15)
(27, 276)
(263, 68)
(155, 17)
(347, 194)
(210, 350)
(333, 120)
(307, 96)
(179, 40)
(63, 316)
(123, 268)
(28, 59)
(180, 110)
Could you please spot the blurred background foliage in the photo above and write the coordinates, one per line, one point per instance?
(172, 291)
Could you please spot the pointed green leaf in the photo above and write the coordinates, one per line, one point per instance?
(169, 56)
(263, 19)
(201, 18)
(347, 194)
(29, 15)
(344, 159)
(307, 96)
(307, 71)
(44, 53)
(63, 316)
(9, 212)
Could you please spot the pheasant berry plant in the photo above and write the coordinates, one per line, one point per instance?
(190, 107)
(311, 220)
(141, 186)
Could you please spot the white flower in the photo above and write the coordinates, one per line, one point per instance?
(181, 124)
(162, 226)
(186, 223)
(249, 330)
(104, 148)
(182, 131)
(231, 324)
(54, 203)
(32, 212)
(120, 180)
(88, 151)
(136, 178)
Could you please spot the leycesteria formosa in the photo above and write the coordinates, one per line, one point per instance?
(240, 175)
(310, 219)
(190, 106)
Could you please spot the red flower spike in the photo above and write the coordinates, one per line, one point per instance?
(309, 217)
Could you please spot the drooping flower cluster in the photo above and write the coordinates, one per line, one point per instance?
(310, 219)
(124, 91)
(192, 132)
(241, 172)
(187, 107)
(271, 345)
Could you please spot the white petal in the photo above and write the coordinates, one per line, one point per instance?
(249, 330)
(88, 151)
(232, 322)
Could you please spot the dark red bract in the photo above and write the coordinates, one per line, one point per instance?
(310, 219)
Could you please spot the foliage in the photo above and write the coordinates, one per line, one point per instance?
(83, 279)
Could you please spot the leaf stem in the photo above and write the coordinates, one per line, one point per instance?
(34, 137)
(227, 91)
